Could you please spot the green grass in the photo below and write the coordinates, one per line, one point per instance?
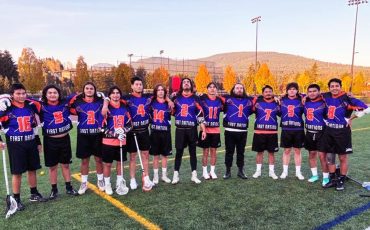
(231, 204)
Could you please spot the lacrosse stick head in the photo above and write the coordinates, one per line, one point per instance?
(11, 206)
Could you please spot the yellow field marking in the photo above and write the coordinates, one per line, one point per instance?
(360, 129)
(123, 208)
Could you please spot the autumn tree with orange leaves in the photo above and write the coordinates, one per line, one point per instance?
(202, 79)
(229, 78)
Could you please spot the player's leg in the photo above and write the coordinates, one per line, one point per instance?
(230, 145)
(312, 158)
(240, 149)
(205, 163)
(324, 168)
(212, 172)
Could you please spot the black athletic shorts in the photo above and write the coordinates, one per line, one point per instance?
(185, 137)
(160, 143)
(143, 140)
(88, 145)
(212, 140)
(337, 141)
(57, 150)
(265, 142)
(23, 156)
(292, 138)
(313, 141)
(112, 153)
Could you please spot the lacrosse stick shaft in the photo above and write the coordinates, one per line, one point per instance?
(121, 155)
(139, 153)
(354, 180)
(5, 173)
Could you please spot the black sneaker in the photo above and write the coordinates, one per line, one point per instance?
(20, 205)
(72, 192)
(37, 197)
(241, 174)
(332, 183)
(53, 195)
(227, 173)
(340, 184)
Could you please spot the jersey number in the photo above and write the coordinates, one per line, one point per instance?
(141, 110)
(212, 112)
(331, 112)
(58, 117)
(90, 117)
(240, 110)
(290, 110)
(184, 110)
(268, 114)
(24, 124)
(309, 114)
(158, 115)
(118, 121)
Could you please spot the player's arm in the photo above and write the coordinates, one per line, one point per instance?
(200, 119)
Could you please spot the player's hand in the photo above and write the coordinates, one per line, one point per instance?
(121, 137)
(304, 99)
(2, 145)
(204, 135)
(100, 94)
(349, 122)
(39, 148)
(171, 105)
(4, 103)
(277, 99)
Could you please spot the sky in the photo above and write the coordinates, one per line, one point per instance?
(107, 31)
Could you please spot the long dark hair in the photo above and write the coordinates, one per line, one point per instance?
(156, 90)
(232, 91)
(45, 90)
(83, 90)
(110, 91)
(191, 85)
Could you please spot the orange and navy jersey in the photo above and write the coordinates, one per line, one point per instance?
(315, 112)
(212, 109)
(54, 118)
(267, 112)
(341, 107)
(160, 115)
(19, 120)
(138, 106)
(291, 113)
(237, 111)
(187, 110)
(117, 117)
(90, 119)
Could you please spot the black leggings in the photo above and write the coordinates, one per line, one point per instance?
(235, 140)
(193, 157)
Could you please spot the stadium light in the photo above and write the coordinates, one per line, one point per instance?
(351, 3)
(256, 20)
(130, 55)
(160, 53)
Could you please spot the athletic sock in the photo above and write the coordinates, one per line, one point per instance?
(285, 169)
(34, 190)
(298, 169)
(325, 175)
(107, 180)
(259, 167)
(100, 176)
(213, 168)
(54, 187)
(68, 186)
(271, 168)
(84, 178)
(155, 171)
(164, 170)
(17, 196)
(205, 169)
(314, 171)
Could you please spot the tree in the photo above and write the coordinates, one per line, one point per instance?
(82, 74)
(359, 83)
(141, 72)
(30, 71)
(264, 77)
(303, 81)
(248, 80)
(52, 65)
(313, 73)
(103, 80)
(202, 79)
(8, 68)
(229, 78)
(159, 76)
(122, 75)
(346, 81)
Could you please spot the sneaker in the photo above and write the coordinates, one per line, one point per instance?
(176, 177)
(53, 195)
(133, 184)
(257, 174)
(72, 192)
(122, 189)
(20, 205)
(340, 183)
(155, 178)
(37, 197)
(83, 188)
(206, 175)
(241, 173)
(273, 175)
(313, 179)
(325, 181)
(194, 177)
(283, 175)
(299, 176)
(227, 174)
(213, 175)
(147, 184)
(101, 185)
(108, 189)
(166, 179)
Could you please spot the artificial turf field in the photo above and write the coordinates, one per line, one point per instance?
(215, 204)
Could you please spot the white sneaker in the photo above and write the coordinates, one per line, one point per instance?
(283, 175)
(101, 185)
(148, 184)
(108, 189)
(122, 189)
(175, 178)
(166, 179)
(194, 177)
(299, 176)
(83, 188)
(156, 178)
(257, 174)
(205, 175)
(133, 184)
(273, 175)
(213, 175)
